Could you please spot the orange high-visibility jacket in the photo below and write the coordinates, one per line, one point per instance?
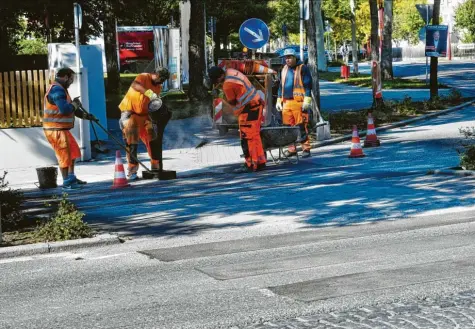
(243, 92)
(134, 100)
(299, 90)
(52, 117)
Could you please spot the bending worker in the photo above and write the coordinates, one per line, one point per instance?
(295, 100)
(245, 103)
(58, 119)
(135, 121)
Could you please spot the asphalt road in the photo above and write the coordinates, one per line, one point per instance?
(320, 243)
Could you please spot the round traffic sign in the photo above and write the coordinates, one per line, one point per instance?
(254, 33)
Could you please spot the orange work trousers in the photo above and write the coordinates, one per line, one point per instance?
(293, 115)
(135, 128)
(65, 146)
(251, 143)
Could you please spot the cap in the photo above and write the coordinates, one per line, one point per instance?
(162, 72)
(289, 52)
(214, 73)
(64, 71)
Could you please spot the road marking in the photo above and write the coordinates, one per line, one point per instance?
(109, 256)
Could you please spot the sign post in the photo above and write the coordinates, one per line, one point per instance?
(254, 33)
(426, 12)
(77, 27)
(304, 15)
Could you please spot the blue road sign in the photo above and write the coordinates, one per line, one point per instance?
(254, 33)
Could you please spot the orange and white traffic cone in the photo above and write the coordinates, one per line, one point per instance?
(261, 69)
(371, 138)
(356, 150)
(119, 174)
(218, 110)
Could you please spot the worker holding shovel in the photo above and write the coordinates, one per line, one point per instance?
(135, 120)
(58, 119)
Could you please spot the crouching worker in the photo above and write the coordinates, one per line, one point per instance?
(135, 120)
(58, 119)
(245, 103)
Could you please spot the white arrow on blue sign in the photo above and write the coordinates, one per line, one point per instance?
(254, 33)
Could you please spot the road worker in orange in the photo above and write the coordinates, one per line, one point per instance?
(244, 101)
(135, 120)
(295, 99)
(58, 119)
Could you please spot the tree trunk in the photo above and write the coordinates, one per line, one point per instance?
(313, 56)
(387, 60)
(110, 49)
(434, 86)
(319, 33)
(354, 45)
(196, 52)
(373, 5)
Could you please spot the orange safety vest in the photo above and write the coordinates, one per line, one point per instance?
(250, 94)
(52, 117)
(299, 90)
(134, 100)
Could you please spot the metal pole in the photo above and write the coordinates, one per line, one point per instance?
(427, 60)
(301, 31)
(212, 40)
(1, 234)
(82, 122)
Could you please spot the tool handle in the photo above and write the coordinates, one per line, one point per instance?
(121, 145)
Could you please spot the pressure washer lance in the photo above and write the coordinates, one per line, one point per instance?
(148, 174)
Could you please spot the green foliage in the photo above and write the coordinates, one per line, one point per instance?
(432, 104)
(65, 224)
(10, 204)
(465, 19)
(284, 12)
(32, 47)
(454, 96)
(407, 22)
(467, 156)
(406, 106)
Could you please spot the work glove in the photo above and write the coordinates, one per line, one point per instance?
(279, 105)
(150, 94)
(76, 103)
(91, 117)
(307, 103)
(215, 93)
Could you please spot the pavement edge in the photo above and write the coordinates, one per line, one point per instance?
(393, 125)
(50, 247)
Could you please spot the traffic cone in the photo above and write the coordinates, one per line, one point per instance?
(356, 150)
(261, 69)
(371, 138)
(119, 174)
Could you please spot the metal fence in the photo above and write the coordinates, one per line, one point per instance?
(21, 98)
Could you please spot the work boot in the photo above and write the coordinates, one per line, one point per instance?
(132, 176)
(289, 154)
(305, 154)
(261, 166)
(80, 182)
(243, 169)
(70, 184)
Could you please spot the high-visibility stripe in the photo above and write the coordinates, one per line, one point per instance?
(62, 120)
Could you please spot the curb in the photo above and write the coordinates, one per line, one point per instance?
(451, 172)
(392, 125)
(46, 248)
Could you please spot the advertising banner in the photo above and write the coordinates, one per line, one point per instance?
(436, 40)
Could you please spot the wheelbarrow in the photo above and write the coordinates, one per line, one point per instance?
(276, 138)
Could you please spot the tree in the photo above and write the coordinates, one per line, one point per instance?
(375, 48)
(196, 52)
(319, 34)
(407, 22)
(32, 47)
(387, 53)
(354, 45)
(313, 55)
(434, 85)
(465, 19)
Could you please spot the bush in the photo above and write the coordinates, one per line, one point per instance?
(432, 104)
(454, 96)
(65, 224)
(10, 204)
(467, 156)
(406, 106)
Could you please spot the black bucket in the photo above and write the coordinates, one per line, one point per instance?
(47, 177)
